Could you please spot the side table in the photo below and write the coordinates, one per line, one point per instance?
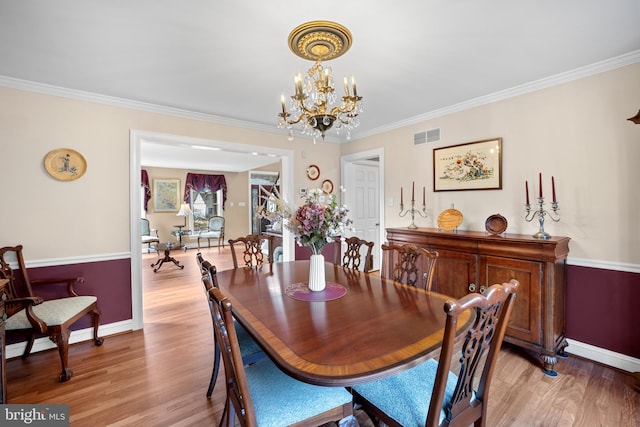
(167, 248)
(179, 233)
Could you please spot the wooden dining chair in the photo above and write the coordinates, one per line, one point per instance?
(252, 250)
(261, 394)
(352, 257)
(30, 315)
(403, 264)
(250, 350)
(430, 391)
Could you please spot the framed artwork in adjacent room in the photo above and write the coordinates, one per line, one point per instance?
(470, 166)
(166, 195)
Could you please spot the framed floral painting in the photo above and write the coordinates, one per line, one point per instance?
(471, 166)
(166, 195)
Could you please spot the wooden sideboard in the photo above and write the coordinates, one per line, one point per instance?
(3, 357)
(470, 261)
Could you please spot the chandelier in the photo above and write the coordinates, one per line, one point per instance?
(314, 106)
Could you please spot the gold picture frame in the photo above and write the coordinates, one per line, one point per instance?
(166, 195)
(470, 166)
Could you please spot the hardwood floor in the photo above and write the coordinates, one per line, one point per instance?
(159, 376)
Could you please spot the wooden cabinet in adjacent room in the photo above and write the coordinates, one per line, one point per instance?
(471, 261)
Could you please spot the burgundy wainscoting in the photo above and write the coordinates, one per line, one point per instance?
(109, 280)
(602, 309)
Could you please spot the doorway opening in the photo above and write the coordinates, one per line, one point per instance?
(362, 176)
(136, 139)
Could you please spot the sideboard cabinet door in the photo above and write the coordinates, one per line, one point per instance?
(455, 272)
(525, 321)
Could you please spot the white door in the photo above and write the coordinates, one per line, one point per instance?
(362, 199)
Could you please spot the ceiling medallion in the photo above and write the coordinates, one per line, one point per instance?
(320, 40)
(313, 106)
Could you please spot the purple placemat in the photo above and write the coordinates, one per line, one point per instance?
(301, 292)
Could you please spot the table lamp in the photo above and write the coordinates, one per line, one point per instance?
(185, 210)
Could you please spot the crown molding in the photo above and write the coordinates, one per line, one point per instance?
(586, 71)
(555, 80)
(46, 89)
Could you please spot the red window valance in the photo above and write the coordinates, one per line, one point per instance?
(144, 182)
(203, 182)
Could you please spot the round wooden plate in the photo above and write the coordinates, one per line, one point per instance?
(496, 224)
(65, 164)
(449, 219)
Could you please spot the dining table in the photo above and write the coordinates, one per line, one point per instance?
(360, 328)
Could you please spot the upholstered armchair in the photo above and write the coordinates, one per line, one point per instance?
(215, 230)
(148, 235)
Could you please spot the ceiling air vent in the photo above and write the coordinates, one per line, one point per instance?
(430, 136)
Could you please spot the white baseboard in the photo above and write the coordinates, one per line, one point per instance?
(44, 343)
(601, 355)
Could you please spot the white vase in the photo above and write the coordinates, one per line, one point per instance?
(316, 273)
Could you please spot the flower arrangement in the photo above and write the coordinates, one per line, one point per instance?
(314, 223)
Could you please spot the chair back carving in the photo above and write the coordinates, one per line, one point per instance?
(429, 259)
(352, 257)
(484, 338)
(403, 263)
(206, 268)
(6, 272)
(237, 387)
(251, 250)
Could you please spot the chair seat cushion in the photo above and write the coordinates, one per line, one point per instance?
(150, 239)
(209, 235)
(280, 400)
(53, 312)
(405, 397)
(250, 350)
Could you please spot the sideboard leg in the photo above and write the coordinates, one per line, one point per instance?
(549, 363)
(561, 349)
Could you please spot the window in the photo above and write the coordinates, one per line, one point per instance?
(204, 205)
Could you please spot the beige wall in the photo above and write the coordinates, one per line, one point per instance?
(576, 131)
(90, 217)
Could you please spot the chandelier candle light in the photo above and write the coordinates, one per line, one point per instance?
(413, 210)
(541, 212)
(313, 105)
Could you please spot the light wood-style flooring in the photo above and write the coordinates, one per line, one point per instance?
(159, 376)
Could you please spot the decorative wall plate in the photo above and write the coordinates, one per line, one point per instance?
(496, 224)
(313, 172)
(449, 219)
(65, 164)
(327, 186)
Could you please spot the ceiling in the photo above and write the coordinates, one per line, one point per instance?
(229, 60)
